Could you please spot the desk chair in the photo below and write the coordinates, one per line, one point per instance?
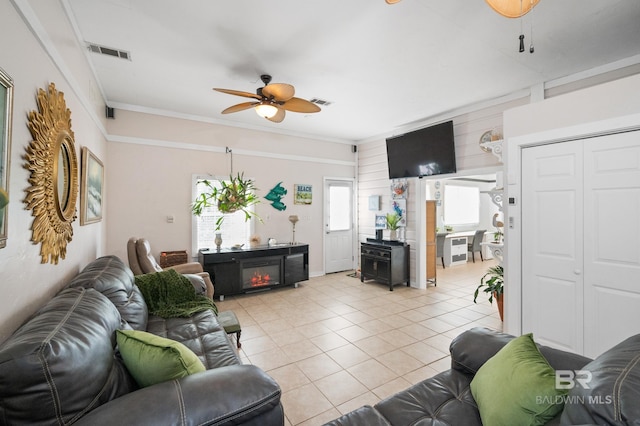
(440, 237)
(474, 245)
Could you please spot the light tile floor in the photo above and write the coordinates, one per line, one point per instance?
(335, 344)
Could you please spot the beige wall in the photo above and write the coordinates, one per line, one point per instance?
(152, 160)
(149, 161)
(25, 283)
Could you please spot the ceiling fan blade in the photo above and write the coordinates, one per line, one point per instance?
(279, 91)
(278, 117)
(240, 107)
(300, 105)
(238, 93)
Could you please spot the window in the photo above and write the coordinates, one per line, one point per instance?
(339, 207)
(461, 205)
(234, 228)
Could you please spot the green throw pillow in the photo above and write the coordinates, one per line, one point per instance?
(153, 359)
(517, 386)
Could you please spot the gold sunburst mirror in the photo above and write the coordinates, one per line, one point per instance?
(51, 158)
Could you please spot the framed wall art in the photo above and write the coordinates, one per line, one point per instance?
(92, 188)
(6, 108)
(374, 202)
(302, 194)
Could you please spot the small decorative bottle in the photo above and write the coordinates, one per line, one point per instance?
(218, 240)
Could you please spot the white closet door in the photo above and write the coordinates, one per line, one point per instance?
(552, 245)
(612, 240)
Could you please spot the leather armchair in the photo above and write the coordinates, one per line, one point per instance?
(141, 261)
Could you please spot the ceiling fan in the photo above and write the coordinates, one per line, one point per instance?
(271, 101)
(507, 8)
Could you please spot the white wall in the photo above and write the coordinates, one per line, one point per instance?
(153, 159)
(25, 283)
(607, 107)
(608, 100)
(373, 175)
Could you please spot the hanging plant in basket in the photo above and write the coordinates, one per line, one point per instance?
(231, 196)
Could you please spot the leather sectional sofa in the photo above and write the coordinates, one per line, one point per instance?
(63, 365)
(610, 395)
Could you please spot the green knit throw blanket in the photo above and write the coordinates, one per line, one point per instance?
(169, 294)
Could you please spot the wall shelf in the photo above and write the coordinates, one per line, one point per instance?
(496, 249)
(495, 147)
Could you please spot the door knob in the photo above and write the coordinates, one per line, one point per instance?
(577, 271)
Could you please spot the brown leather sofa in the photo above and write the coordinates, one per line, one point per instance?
(63, 366)
(141, 261)
(611, 397)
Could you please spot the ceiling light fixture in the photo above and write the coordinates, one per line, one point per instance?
(512, 8)
(266, 110)
(516, 9)
(507, 8)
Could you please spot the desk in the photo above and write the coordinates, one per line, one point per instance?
(495, 249)
(455, 248)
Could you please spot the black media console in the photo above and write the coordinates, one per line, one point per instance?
(384, 261)
(236, 271)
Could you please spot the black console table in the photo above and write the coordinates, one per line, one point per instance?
(384, 261)
(236, 271)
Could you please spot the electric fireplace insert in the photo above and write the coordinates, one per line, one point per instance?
(261, 272)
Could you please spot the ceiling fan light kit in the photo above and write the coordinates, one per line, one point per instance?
(512, 8)
(506, 8)
(266, 110)
(272, 100)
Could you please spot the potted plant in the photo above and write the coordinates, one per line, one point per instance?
(231, 196)
(4, 200)
(493, 283)
(393, 223)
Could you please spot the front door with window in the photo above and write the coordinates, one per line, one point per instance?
(338, 222)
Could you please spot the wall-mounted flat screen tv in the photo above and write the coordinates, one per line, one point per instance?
(424, 152)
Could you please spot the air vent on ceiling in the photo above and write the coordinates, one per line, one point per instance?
(320, 102)
(109, 51)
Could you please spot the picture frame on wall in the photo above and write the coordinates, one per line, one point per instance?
(374, 202)
(302, 194)
(92, 188)
(6, 113)
(381, 221)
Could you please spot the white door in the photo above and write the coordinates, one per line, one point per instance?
(338, 222)
(612, 240)
(552, 244)
(581, 242)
